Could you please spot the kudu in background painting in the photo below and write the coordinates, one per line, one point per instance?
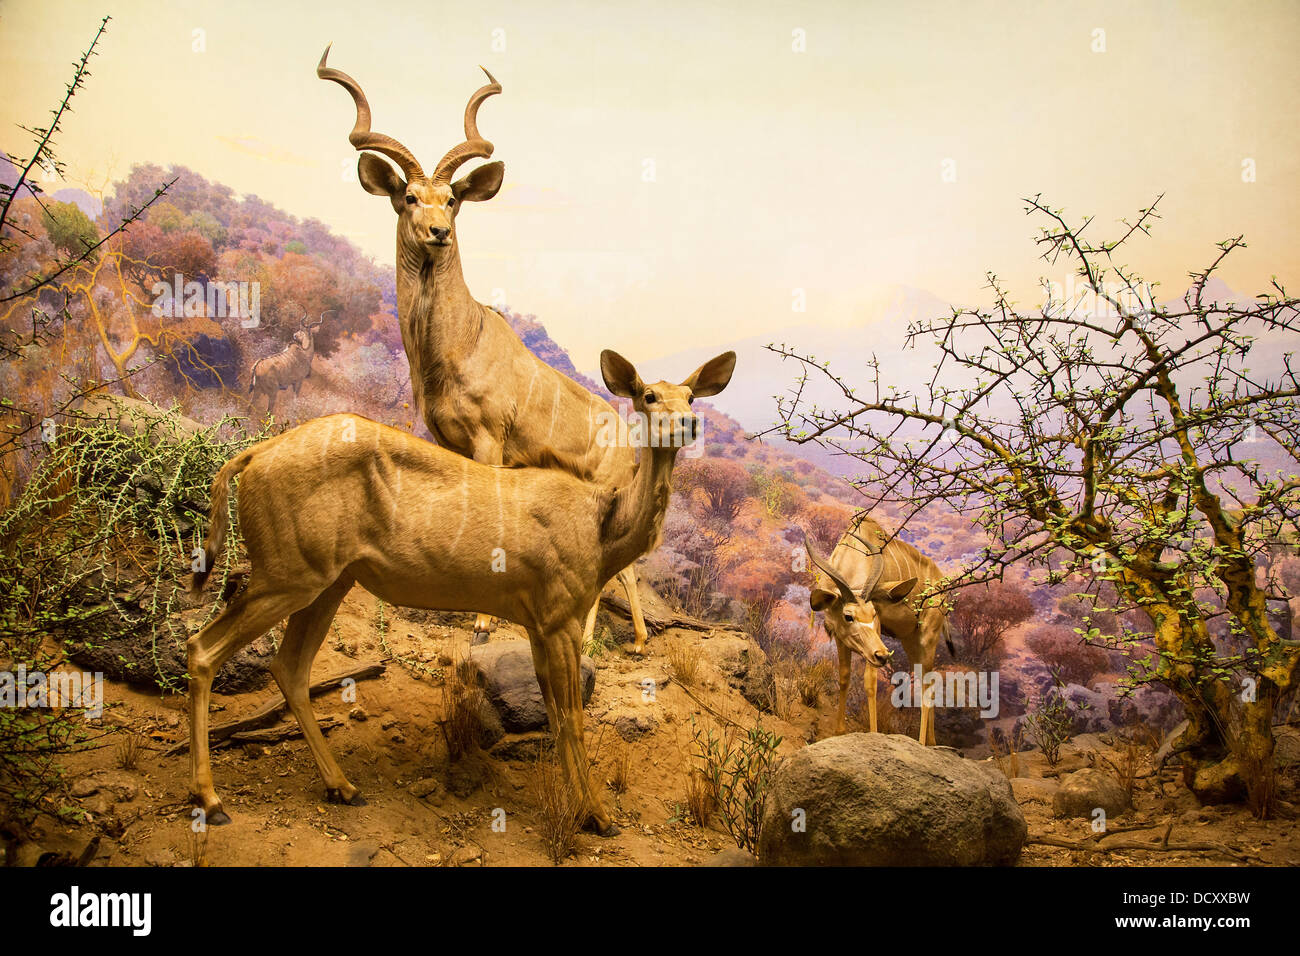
(287, 368)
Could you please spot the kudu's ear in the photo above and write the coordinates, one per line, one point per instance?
(380, 179)
(713, 376)
(482, 183)
(819, 599)
(894, 590)
(619, 375)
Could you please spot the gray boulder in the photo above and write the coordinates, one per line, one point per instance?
(1090, 708)
(884, 800)
(505, 671)
(141, 660)
(1084, 791)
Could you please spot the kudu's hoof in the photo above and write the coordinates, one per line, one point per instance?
(593, 826)
(216, 817)
(480, 637)
(336, 796)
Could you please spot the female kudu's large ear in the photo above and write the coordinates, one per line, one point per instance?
(713, 376)
(620, 376)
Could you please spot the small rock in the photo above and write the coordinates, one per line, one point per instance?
(466, 856)
(358, 713)
(423, 788)
(28, 854)
(360, 854)
(732, 856)
(505, 670)
(163, 857)
(119, 783)
(1086, 790)
(84, 787)
(635, 726)
(99, 804)
(1030, 790)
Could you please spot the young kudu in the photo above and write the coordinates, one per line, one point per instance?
(872, 584)
(481, 391)
(344, 500)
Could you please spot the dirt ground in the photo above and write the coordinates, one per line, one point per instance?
(423, 811)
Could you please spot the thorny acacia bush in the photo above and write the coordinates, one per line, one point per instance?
(1049, 721)
(97, 546)
(1143, 445)
(737, 765)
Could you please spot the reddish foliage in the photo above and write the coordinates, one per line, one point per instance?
(723, 485)
(982, 616)
(825, 523)
(1065, 655)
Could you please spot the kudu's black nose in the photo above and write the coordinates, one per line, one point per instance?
(440, 234)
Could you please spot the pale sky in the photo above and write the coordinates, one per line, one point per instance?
(774, 169)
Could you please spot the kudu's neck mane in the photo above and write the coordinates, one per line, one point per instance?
(439, 318)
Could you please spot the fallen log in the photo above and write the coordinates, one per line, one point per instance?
(655, 624)
(269, 711)
(274, 735)
(1155, 847)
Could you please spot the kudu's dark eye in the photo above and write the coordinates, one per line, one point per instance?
(848, 616)
(410, 200)
(651, 398)
(451, 202)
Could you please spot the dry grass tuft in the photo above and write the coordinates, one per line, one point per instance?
(701, 801)
(684, 659)
(462, 708)
(1006, 751)
(812, 681)
(128, 750)
(620, 771)
(1125, 764)
(198, 847)
(559, 808)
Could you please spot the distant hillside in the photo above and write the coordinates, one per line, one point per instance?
(87, 203)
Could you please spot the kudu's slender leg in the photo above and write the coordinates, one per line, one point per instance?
(627, 577)
(927, 729)
(291, 669)
(557, 660)
(846, 668)
(931, 621)
(871, 683)
(489, 452)
(589, 628)
(246, 618)
(926, 733)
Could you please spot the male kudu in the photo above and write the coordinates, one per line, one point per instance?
(343, 500)
(481, 391)
(873, 578)
(287, 368)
